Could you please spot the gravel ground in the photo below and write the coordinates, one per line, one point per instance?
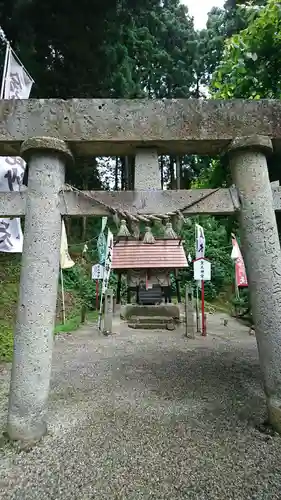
(149, 415)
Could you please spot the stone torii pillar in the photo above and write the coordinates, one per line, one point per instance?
(33, 342)
(262, 258)
(147, 171)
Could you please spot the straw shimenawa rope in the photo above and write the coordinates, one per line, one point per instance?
(137, 217)
(123, 214)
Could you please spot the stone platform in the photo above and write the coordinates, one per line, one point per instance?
(159, 317)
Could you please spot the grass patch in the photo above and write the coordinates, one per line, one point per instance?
(9, 285)
(224, 307)
(6, 342)
(10, 265)
(74, 323)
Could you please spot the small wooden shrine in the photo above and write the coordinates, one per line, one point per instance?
(148, 262)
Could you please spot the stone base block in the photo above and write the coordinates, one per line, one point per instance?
(163, 310)
(274, 416)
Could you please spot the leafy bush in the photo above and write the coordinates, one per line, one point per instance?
(241, 304)
(78, 279)
(218, 251)
(6, 343)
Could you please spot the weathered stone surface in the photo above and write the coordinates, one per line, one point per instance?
(147, 173)
(254, 143)
(261, 245)
(35, 144)
(108, 311)
(33, 340)
(163, 310)
(161, 325)
(73, 204)
(194, 201)
(118, 127)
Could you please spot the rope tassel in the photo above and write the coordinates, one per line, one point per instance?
(116, 219)
(123, 231)
(148, 236)
(169, 233)
(179, 221)
(135, 230)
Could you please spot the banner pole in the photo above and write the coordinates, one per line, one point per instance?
(203, 308)
(62, 296)
(100, 312)
(97, 295)
(197, 309)
(8, 48)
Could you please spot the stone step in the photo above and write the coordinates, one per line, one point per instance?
(152, 326)
(151, 319)
(163, 310)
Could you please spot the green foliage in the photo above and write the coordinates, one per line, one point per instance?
(6, 343)
(222, 23)
(241, 304)
(9, 280)
(78, 279)
(77, 283)
(74, 322)
(218, 251)
(108, 49)
(251, 59)
(249, 68)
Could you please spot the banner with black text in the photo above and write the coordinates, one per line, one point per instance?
(17, 84)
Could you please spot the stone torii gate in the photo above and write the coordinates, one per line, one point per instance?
(48, 132)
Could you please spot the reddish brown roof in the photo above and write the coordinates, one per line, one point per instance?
(138, 255)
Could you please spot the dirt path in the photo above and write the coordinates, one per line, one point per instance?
(150, 415)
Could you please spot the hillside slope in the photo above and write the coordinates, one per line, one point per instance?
(10, 265)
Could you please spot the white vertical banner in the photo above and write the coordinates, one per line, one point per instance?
(200, 245)
(65, 263)
(16, 84)
(65, 260)
(107, 270)
(200, 242)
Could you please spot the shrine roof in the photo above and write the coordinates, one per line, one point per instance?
(168, 254)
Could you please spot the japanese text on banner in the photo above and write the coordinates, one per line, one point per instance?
(17, 85)
(108, 261)
(200, 242)
(240, 271)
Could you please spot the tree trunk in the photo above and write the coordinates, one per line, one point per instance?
(123, 179)
(178, 172)
(131, 173)
(172, 173)
(162, 171)
(83, 314)
(116, 174)
(67, 222)
(84, 219)
(118, 295)
(126, 173)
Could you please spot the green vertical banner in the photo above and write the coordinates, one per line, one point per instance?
(101, 243)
